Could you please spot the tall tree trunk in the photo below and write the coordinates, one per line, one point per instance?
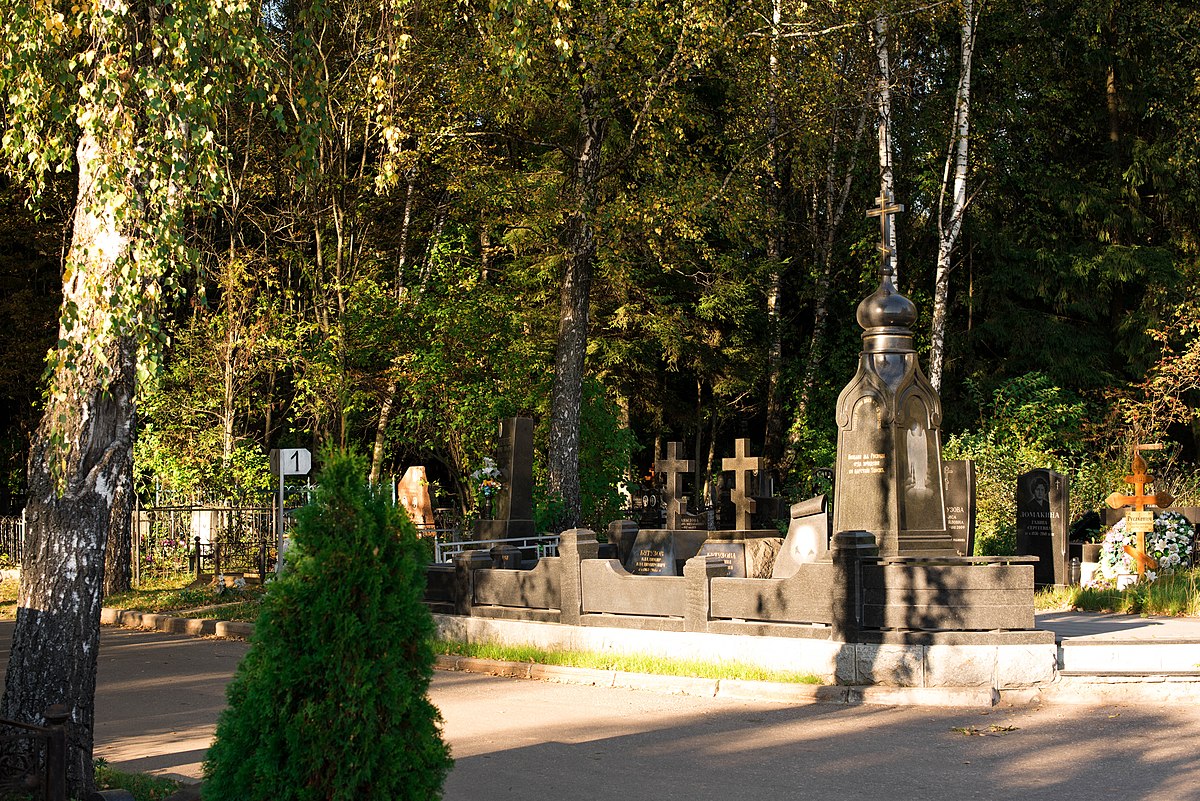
(567, 394)
(389, 393)
(773, 435)
(883, 102)
(950, 220)
(118, 553)
(79, 457)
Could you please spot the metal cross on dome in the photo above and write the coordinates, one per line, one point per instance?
(1138, 519)
(884, 211)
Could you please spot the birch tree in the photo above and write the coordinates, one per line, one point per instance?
(954, 182)
(883, 103)
(124, 94)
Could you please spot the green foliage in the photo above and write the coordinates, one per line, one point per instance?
(142, 786)
(1029, 423)
(605, 450)
(1175, 594)
(330, 702)
(631, 663)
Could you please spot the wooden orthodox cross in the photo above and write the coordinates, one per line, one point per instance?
(884, 211)
(1137, 518)
(673, 469)
(742, 463)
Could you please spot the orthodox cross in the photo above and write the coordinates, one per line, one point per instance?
(884, 211)
(1138, 519)
(673, 469)
(742, 463)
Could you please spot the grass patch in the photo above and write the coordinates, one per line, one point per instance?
(142, 786)
(1175, 595)
(631, 663)
(176, 595)
(8, 598)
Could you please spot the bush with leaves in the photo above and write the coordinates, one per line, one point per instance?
(1030, 423)
(331, 700)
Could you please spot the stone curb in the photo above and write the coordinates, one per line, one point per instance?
(194, 627)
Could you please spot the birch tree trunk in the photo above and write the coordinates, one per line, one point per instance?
(567, 394)
(79, 461)
(774, 425)
(955, 172)
(883, 102)
(389, 394)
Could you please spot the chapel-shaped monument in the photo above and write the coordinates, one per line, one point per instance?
(889, 463)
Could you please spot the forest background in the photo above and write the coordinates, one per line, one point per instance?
(407, 226)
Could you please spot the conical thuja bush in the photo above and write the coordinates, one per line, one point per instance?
(331, 700)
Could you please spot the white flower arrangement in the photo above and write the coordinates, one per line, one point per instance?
(1170, 544)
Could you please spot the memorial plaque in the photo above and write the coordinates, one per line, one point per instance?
(1042, 510)
(686, 521)
(958, 486)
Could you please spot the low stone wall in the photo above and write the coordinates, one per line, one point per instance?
(608, 588)
(853, 597)
(538, 588)
(805, 597)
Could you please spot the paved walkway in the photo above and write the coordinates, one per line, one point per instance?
(1096, 627)
(159, 695)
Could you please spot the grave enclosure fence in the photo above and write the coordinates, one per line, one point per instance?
(33, 758)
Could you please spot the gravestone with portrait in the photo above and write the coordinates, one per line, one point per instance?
(413, 494)
(958, 487)
(513, 504)
(1043, 508)
(889, 464)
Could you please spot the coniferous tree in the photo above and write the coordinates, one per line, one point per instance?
(330, 702)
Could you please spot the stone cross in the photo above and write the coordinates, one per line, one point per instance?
(674, 468)
(884, 211)
(742, 464)
(1137, 518)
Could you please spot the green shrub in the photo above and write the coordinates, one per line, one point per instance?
(331, 700)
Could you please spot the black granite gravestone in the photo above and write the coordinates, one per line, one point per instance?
(658, 552)
(1043, 507)
(648, 506)
(514, 501)
(889, 462)
(732, 553)
(958, 485)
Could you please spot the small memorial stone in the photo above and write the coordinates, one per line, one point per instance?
(807, 538)
(958, 480)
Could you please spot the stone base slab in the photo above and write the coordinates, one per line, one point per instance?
(980, 668)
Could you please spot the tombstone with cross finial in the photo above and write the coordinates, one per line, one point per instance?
(889, 464)
(1138, 518)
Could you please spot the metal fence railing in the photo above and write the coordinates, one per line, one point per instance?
(446, 549)
(12, 538)
(33, 759)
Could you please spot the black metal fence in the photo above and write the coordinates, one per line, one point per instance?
(12, 536)
(33, 759)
